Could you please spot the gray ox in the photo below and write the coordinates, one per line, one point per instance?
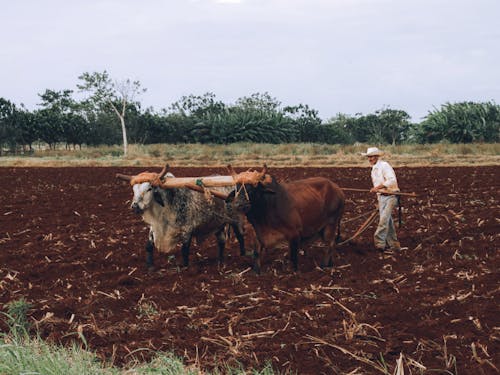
(176, 215)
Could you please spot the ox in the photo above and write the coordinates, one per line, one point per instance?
(294, 213)
(176, 215)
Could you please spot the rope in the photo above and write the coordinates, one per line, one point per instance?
(362, 228)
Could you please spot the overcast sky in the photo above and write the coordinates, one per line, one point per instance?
(337, 56)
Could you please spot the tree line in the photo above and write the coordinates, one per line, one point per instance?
(110, 114)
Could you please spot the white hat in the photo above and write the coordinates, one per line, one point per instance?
(373, 151)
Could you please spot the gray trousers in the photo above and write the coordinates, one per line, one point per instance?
(385, 234)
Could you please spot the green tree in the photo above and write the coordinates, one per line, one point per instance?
(67, 116)
(392, 126)
(49, 126)
(197, 105)
(263, 102)
(364, 128)
(26, 128)
(336, 130)
(106, 93)
(462, 122)
(306, 121)
(8, 130)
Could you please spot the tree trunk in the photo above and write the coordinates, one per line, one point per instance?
(121, 116)
(124, 134)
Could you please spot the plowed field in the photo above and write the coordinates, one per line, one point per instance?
(70, 246)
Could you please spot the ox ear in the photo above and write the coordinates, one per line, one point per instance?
(157, 197)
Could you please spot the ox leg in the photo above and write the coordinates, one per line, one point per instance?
(221, 243)
(294, 250)
(150, 246)
(329, 236)
(327, 261)
(241, 239)
(256, 257)
(185, 250)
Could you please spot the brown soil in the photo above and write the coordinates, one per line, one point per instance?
(71, 247)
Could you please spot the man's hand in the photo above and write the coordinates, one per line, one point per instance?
(375, 189)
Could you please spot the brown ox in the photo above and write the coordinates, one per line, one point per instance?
(293, 212)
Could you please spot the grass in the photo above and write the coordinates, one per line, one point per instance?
(21, 353)
(255, 154)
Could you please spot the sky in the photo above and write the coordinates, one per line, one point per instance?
(337, 56)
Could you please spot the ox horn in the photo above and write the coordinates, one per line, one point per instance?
(264, 170)
(124, 177)
(231, 170)
(164, 171)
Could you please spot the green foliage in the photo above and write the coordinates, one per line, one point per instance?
(242, 125)
(17, 316)
(463, 122)
(339, 130)
(33, 356)
(21, 354)
(197, 106)
(259, 102)
(100, 118)
(385, 126)
(306, 122)
(392, 126)
(49, 126)
(8, 131)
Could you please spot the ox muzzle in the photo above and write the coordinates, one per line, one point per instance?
(136, 208)
(238, 201)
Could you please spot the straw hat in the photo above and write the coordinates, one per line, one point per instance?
(373, 151)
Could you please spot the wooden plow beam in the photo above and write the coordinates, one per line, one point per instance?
(387, 192)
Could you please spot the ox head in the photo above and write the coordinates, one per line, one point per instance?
(145, 192)
(145, 195)
(252, 187)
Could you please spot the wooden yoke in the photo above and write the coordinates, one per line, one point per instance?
(196, 183)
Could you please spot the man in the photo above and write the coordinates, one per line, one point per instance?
(384, 180)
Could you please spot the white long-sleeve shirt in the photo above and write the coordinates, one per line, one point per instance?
(383, 174)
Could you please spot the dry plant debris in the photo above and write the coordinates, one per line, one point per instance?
(71, 247)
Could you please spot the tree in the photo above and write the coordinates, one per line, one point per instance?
(8, 132)
(361, 127)
(106, 93)
(306, 121)
(60, 108)
(259, 102)
(393, 124)
(462, 123)
(335, 130)
(26, 128)
(198, 105)
(49, 126)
